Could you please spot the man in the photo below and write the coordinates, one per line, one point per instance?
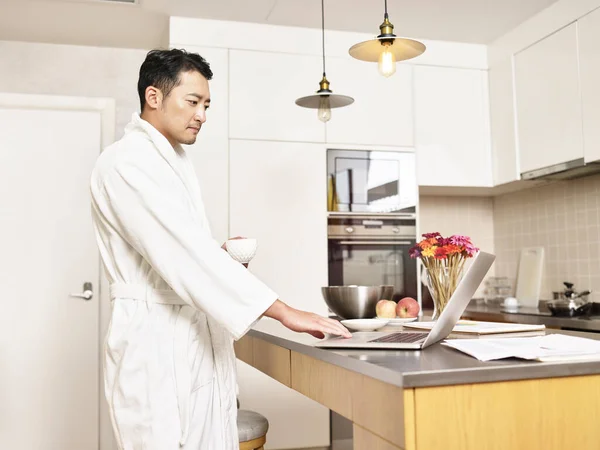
(178, 298)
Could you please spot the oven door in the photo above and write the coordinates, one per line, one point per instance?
(371, 262)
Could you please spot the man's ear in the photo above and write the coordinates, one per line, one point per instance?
(153, 97)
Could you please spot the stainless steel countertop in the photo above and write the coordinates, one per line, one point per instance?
(435, 366)
(538, 316)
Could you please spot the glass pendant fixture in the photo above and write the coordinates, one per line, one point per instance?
(324, 100)
(386, 48)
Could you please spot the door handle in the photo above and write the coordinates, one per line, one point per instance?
(87, 293)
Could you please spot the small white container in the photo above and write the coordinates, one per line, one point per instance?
(242, 250)
(511, 303)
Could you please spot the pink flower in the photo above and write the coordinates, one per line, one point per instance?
(470, 249)
(460, 240)
(432, 235)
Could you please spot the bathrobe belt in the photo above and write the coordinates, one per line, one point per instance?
(180, 344)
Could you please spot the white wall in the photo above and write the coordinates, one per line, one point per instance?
(34, 68)
(96, 23)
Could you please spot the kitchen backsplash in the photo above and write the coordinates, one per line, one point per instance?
(470, 216)
(562, 217)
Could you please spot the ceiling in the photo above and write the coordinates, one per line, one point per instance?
(146, 24)
(475, 21)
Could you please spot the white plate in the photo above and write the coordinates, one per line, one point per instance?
(398, 321)
(364, 324)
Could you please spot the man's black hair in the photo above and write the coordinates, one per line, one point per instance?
(163, 68)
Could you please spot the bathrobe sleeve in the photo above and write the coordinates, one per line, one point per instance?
(151, 209)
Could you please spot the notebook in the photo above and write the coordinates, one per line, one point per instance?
(477, 327)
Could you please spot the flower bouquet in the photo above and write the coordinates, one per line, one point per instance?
(444, 259)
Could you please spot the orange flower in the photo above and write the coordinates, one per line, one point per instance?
(432, 241)
(441, 253)
(425, 244)
(452, 249)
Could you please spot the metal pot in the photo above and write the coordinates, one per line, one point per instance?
(569, 308)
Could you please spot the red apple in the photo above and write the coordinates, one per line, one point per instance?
(386, 309)
(407, 307)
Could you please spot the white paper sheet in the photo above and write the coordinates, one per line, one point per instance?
(552, 347)
(478, 327)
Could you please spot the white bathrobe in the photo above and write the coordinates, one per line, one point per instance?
(178, 300)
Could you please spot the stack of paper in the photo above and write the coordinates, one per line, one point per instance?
(476, 327)
(552, 347)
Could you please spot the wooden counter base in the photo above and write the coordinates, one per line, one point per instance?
(545, 414)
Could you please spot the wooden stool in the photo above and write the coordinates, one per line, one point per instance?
(252, 429)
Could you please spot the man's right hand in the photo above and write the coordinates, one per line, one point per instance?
(305, 322)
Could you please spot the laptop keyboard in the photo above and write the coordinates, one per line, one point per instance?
(401, 338)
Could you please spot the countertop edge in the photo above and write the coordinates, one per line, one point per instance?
(380, 373)
(476, 375)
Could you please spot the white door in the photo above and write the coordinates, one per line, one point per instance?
(49, 351)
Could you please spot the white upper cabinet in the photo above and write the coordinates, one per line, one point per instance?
(549, 126)
(452, 127)
(382, 112)
(279, 196)
(502, 117)
(589, 67)
(263, 88)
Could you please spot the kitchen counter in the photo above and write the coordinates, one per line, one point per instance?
(436, 366)
(537, 316)
(425, 400)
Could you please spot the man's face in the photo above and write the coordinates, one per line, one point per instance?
(183, 111)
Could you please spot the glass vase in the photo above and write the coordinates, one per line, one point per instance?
(442, 283)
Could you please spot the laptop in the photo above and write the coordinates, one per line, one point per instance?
(419, 340)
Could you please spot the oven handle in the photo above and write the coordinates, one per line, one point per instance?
(374, 242)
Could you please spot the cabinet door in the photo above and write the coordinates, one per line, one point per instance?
(505, 164)
(452, 127)
(589, 67)
(382, 112)
(549, 123)
(263, 88)
(210, 152)
(278, 195)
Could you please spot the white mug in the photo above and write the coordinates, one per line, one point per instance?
(511, 302)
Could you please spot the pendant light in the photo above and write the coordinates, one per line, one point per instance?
(386, 48)
(324, 100)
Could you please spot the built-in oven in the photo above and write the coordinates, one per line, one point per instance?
(372, 250)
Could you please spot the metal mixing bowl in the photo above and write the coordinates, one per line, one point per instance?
(355, 302)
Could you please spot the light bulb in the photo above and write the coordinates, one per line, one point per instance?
(324, 112)
(387, 61)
